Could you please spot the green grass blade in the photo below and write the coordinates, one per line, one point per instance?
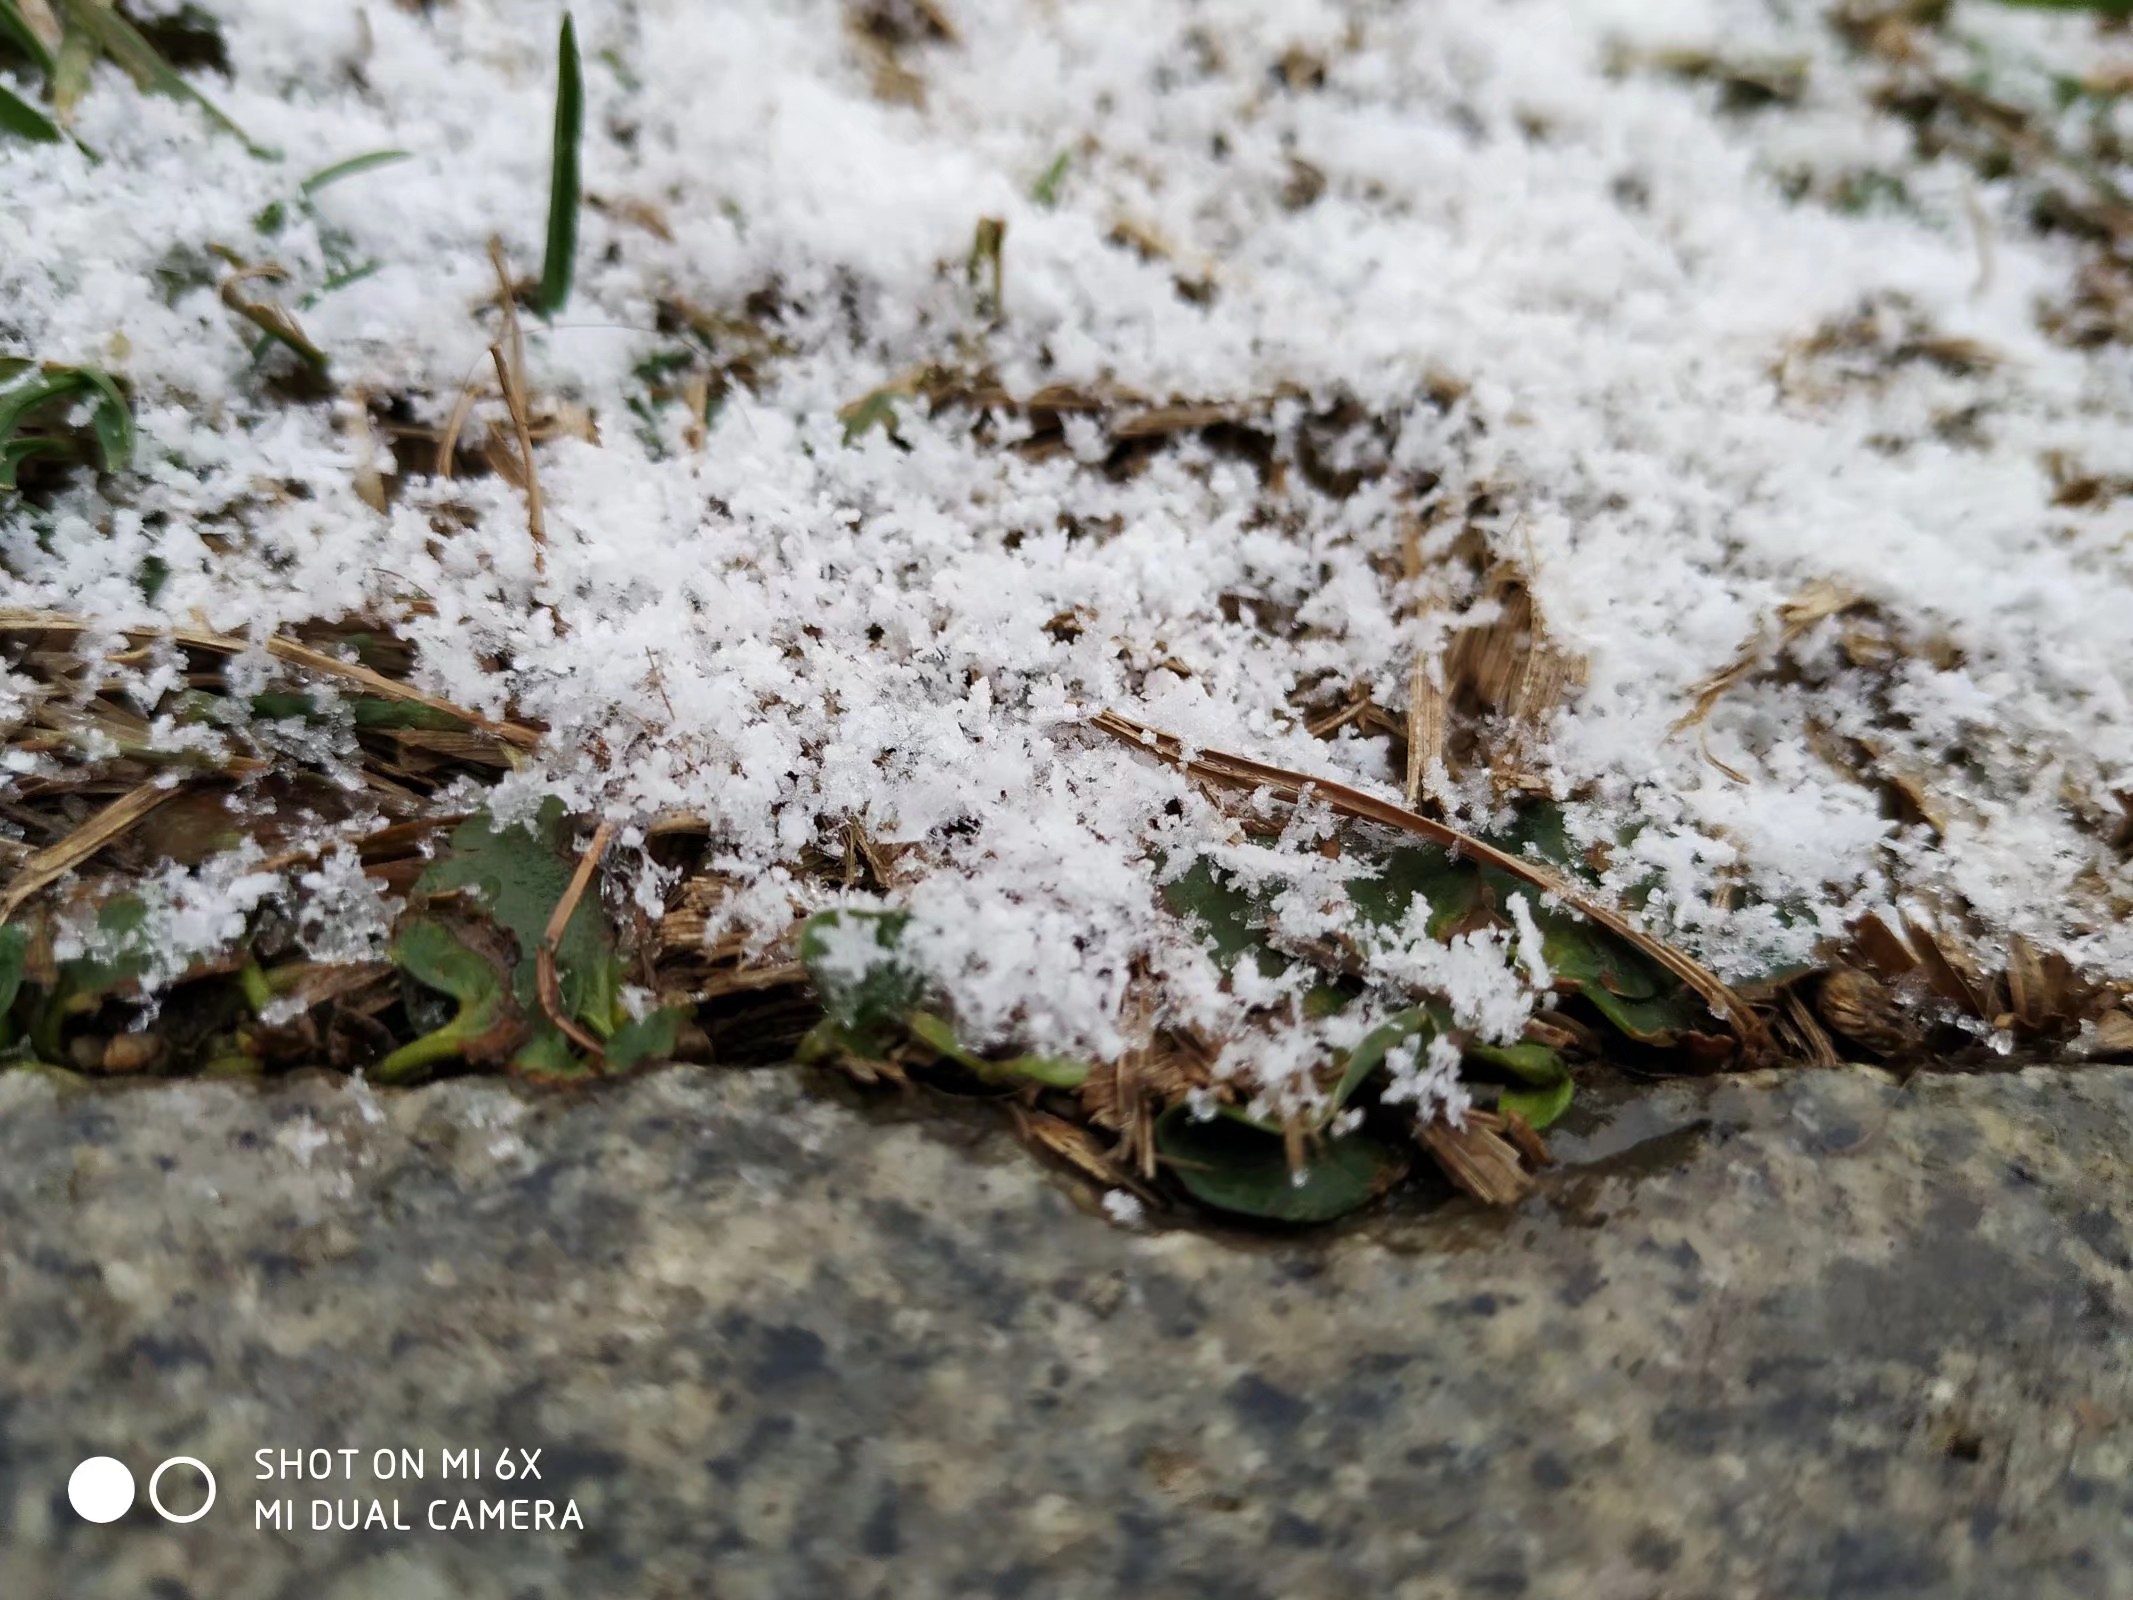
(1046, 189)
(124, 43)
(27, 393)
(25, 121)
(557, 265)
(16, 29)
(370, 161)
(24, 392)
(341, 280)
(112, 421)
(14, 453)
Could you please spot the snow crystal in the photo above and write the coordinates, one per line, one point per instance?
(1125, 1208)
(342, 916)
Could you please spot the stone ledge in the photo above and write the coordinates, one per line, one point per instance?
(1815, 1333)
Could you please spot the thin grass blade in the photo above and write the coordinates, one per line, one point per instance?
(369, 161)
(278, 324)
(561, 258)
(112, 420)
(27, 393)
(16, 29)
(25, 121)
(125, 44)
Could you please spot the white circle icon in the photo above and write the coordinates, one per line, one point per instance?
(155, 1482)
(101, 1489)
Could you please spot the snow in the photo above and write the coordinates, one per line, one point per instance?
(1574, 288)
(1125, 1209)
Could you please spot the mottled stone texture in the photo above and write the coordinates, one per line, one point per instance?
(1810, 1335)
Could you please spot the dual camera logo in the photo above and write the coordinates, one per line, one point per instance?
(101, 1489)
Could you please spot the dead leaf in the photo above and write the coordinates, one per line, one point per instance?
(1478, 1159)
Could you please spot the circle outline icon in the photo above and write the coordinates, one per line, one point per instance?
(95, 1480)
(156, 1478)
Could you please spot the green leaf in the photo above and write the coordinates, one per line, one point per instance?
(1233, 1166)
(257, 986)
(559, 262)
(124, 949)
(341, 280)
(15, 452)
(28, 392)
(14, 957)
(936, 1035)
(1234, 921)
(1548, 1086)
(1595, 961)
(660, 365)
(520, 874)
(369, 161)
(282, 705)
(867, 990)
(2108, 8)
(1541, 831)
(16, 30)
(825, 1042)
(1539, 1106)
(1054, 1072)
(1370, 1053)
(1660, 1020)
(939, 1036)
(27, 389)
(125, 953)
(1324, 1000)
(1455, 891)
(871, 995)
(1640, 1000)
(646, 1038)
(1767, 971)
(547, 1058)
(25, 121)
(110, 418)
(1532, 1063)
(431, 954)
(874, 410)
(1045, 191)
(373, 711)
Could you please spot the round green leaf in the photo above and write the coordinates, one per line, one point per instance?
(1227, 1163)
(1539, 1106)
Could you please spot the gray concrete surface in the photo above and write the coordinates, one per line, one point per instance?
(1812, 1335)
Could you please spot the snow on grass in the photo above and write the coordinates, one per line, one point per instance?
(1573, 292)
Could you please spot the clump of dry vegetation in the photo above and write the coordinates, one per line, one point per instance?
(308, 762)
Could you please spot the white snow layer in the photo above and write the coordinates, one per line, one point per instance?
(778, 631)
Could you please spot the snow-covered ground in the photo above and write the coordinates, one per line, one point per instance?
(1496, 260)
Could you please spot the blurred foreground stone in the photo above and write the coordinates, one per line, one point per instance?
(1811, 1334)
